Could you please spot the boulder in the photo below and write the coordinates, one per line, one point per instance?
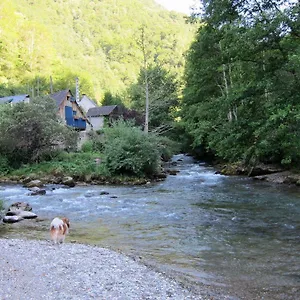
(264, 169)
(27, 215)
(37, 191)
(172, 171)
(34, 183)
(19, 206)
(88, 178)
(68, 181)
(104, 193)
(286, 177)
(19, 211)
(12, 219)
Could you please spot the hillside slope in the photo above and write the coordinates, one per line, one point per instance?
(98, 41)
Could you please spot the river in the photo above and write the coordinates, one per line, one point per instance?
(229, 233)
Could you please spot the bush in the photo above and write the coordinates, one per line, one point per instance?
(129, 151)
(167, 147)
(87, 147)
(4, 165)
(32, 131)
(77, 165)
(97, 140)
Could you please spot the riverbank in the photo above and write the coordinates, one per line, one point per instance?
(31, 269)
(206, 230)
(270, 173)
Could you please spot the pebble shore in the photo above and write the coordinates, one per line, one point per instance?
(31, 269)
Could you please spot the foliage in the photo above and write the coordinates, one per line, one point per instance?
(93, 40)
(134, 115)
(4, 165)
(32, 131)
(110, 99)
(95, 142)
(87, 146)
(78, 165)
(242, 95)
(129, 151)
(163, 96)
(167, 147)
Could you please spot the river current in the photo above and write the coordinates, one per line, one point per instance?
(231, 233)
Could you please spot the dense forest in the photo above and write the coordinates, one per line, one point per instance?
(97, 41)
(242, 95)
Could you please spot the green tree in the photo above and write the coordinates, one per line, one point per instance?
(31, 132)
(110, 99)
(242, 92)
(95, 41)
(163, 97)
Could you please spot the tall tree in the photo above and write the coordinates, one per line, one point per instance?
(163, 97)
(234, 102)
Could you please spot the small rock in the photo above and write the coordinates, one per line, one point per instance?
(68, 181)
(37, 191)
(34, 183)
(104, 193)
(172, 172)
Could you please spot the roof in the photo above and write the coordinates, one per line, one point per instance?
(60, 96)
(86, 97)
(101, 111)
(14, 99)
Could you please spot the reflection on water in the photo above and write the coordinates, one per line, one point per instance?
(229, 232)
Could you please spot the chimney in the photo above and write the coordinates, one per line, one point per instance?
(77, 90)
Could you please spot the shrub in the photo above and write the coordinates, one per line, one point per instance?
(87, 146)
(32, 131)
(167, 147)
(73, 164)
(4, 165)
(130, 151)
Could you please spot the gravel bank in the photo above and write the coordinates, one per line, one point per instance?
(32, 269)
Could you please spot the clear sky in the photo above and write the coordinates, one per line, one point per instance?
(178, 5)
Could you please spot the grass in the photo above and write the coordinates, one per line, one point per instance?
(77, 165)
(1, 205)
(82, 166)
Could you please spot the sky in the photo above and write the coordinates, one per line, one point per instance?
(177, 5)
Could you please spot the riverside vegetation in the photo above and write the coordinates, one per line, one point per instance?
(238, 99)
(31, 146)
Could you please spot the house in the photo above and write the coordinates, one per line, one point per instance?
(15, 99)
(86, 103)
(97, 115)
(69, 110)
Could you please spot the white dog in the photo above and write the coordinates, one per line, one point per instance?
(59, 228)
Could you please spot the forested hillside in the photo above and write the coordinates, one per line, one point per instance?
(98, 41)
(242, 94)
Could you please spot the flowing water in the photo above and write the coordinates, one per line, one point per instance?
(228, 233)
